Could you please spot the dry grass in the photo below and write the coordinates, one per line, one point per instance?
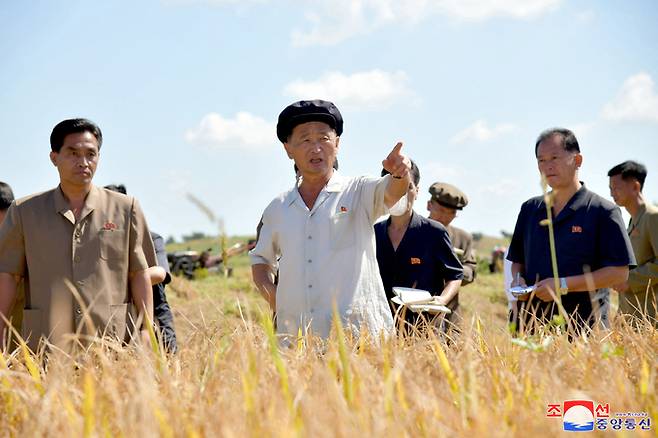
(229, 380)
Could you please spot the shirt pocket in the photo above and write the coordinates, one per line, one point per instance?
(111, 245)
(342, 230)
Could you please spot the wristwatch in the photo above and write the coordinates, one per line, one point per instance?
(563, 286)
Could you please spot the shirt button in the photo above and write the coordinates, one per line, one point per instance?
(78, 311)
(310, 261)
(310, 286)
(310, 237)
(76, 259)
(81, 282)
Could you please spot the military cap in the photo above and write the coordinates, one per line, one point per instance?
(308, 111)
(448, 195)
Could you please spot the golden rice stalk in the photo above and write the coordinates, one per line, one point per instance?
(445, 366)
(399, 389)
(7, 399)
(300, 342)
(644, 378)
(165, 429)
(32, 367)
(249, 384)
(281, 369)
(481, 343)
(548, 200)
(346, 373)
(88, 404)
(388, 380)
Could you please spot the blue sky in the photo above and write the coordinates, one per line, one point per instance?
(187, 93)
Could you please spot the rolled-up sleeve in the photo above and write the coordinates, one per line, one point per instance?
(372, 197)
(12, 244)
(516, 253)
(448, 264)
(615, 249)
(141, 251)
(266, 250)
(161, 256)
(647, 266)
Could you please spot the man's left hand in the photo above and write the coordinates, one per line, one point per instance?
(396, 163)
(545, 290)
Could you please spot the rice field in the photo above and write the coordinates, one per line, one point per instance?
(231, 379)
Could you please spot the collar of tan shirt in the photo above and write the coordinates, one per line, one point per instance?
(63, 207)
(635, 221)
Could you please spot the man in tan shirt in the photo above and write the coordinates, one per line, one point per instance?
(637, 297)
(446, 200)
(443, 205)
(83, 251)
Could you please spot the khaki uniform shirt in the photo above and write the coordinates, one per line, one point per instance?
(463, 244)
(643, 232)
(16, 316)
(77, 274)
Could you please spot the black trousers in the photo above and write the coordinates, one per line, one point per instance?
(164, 318)
(576, 304)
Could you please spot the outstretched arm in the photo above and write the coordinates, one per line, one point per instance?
(398, 165)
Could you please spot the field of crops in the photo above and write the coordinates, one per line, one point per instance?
(230, 378)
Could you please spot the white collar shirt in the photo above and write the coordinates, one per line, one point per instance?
(327, 255)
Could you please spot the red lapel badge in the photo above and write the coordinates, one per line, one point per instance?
(576, 229)
(109, 226)
(415, 261)
(343, 209)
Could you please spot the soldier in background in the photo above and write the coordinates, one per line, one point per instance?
(638, 295)
(446, 200)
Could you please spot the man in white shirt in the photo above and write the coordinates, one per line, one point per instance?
(320, 233)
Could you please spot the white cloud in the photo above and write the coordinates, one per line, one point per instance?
(479, 10)
(637, 100)
(503, 187)
(243, 131)
(369, 89)
(582, 129)
(215, 2)
(587, 16)
(480, 132)
(333, 21)
(434, 171)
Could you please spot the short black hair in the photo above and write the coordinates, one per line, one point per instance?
(569, 141)
(630, 170)
(73, 126)
(415, 173)
(120, 188)
(6, 196)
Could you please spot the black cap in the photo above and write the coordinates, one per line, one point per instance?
(308, 111)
